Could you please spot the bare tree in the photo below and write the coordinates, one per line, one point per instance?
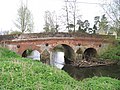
(51, 24)
(24, 21)
(113, 11)
(71, 14)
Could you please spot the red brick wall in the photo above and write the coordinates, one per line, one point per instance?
(72, 42)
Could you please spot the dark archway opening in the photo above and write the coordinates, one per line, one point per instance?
(26, 53)
(89, 54)
(69, 56)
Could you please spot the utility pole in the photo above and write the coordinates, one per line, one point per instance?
(26, 3)
(74, 14)
(67, 16)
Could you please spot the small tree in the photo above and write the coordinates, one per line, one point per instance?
(86, 25)
(50, 22)
(24, 21)
(103, 25)
(80, 23)
(96, 23)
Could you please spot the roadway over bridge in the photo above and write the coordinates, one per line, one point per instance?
(76, 46)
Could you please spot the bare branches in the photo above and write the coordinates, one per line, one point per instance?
(24, 21)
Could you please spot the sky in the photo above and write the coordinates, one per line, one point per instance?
(8, 11)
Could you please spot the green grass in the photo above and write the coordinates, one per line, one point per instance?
(101, 83)
(18, 73)
(5, 53)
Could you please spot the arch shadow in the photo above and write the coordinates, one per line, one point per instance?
(89, 53)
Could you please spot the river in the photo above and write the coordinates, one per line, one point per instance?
(81, 73)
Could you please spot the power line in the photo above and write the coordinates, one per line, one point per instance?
(86, 3)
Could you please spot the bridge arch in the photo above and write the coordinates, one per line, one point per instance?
(33, 54)
(62, 54)
(89, 53)
(25, 47)
(68, 51)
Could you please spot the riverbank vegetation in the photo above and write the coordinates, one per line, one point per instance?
(18, 73)
(112, 53)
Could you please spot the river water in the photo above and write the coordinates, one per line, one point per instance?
(81, 73)
(58, 59)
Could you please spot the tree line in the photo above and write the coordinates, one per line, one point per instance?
(70, 20)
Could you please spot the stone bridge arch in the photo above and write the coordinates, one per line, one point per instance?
(33, 54)
(28, 51)
(89, 53)
(69, 53)
(22, 48)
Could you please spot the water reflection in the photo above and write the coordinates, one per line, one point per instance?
(35, 55)
(81, 73)
(58, 59)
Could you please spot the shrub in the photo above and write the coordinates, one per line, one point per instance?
(112, 53)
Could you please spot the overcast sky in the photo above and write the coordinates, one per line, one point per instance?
(8, 11)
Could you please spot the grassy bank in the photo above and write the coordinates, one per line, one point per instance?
(18, 73)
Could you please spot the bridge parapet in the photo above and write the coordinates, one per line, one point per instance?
(58, 34)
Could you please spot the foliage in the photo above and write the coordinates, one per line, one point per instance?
(84, 26)
(5, 53)
(113, 53)
(18, 73)
(103, 25)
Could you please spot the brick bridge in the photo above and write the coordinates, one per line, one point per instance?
(75, 46)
